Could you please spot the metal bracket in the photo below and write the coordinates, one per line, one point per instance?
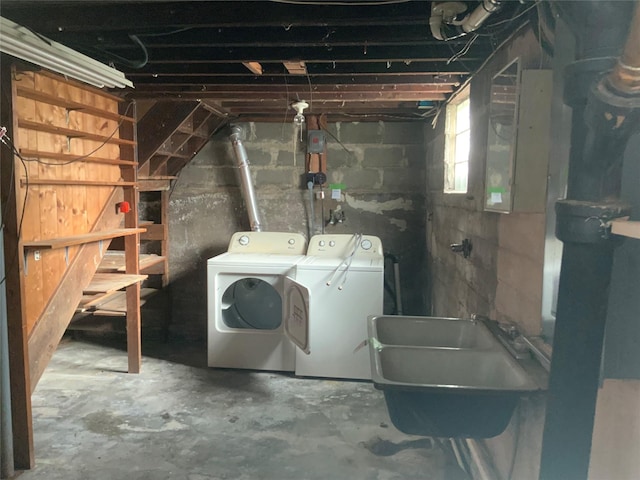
(100, 247)
(26, 262)
(66, 256)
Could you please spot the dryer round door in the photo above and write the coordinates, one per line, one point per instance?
(252, 303)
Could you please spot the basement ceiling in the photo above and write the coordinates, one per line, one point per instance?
(251, 59)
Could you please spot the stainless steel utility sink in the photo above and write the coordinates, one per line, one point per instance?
(445, 377)
(431, 332)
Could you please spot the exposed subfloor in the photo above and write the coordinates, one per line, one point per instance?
(181, 420)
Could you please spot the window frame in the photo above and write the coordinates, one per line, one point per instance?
(451, 137)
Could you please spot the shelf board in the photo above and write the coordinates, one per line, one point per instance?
(68, 132)
(109, 282)
(114, 261)
(70, 105)
(65, 157)
(62, 242)
(86, 183)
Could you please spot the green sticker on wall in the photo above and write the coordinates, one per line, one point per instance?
(496, 190)
(337, 186)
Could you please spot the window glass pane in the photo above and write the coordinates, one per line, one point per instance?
(461, 175)
(463, 118)
(462, 147)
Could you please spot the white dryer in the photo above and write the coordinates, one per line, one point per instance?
(246, 301)
(344, 275)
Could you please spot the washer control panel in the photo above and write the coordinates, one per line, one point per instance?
(281, 243)
(343, 245)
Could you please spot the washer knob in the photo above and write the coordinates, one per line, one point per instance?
(321, 243)
(243, 240)
(292, 241)
(332, 243)
(366, 244)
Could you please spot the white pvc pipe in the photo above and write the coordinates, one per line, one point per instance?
(248, 193)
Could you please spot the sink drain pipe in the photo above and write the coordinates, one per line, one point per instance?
(606, 113)
(246, 183)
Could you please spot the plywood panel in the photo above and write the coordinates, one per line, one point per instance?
(61, 210)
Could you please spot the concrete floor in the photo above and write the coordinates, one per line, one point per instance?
(181, 420)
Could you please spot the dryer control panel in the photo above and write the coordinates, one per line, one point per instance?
(343, 245)
(281, 243)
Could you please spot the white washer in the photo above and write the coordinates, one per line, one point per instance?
(353, 265)
(246, 301)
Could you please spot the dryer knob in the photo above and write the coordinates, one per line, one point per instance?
(366, 244)
(321, 243)
(243, 240)
(332, 243)
(291, 241)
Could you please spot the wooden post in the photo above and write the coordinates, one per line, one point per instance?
(132, 252)
(18, 346)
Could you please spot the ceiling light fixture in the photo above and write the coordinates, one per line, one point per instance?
(299, 107)
(20, 42)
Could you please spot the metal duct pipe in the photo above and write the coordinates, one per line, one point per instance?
(473, 21)
(6, 429)
(625, 77)
(248, 192)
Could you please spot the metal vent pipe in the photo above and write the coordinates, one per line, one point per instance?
(248, 192)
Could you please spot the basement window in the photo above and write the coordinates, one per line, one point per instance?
(457, 144)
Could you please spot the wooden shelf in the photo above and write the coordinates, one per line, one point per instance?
(62, 242)
(65, 157)
(114, 262)
(68, 132)
(111, 303)
(86, 183)
(70, 105)
(110, 282)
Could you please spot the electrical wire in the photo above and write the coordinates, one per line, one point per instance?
(7, 141)
(464, 50)
(83, 157)
(515, 17)
(310, 92)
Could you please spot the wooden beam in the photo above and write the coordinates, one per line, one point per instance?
(132, 252)
(132, 17)
(18, 344)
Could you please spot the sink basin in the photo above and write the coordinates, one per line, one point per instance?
(445, 377)
(431, 332)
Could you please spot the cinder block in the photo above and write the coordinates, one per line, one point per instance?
(338, 158)
(404, 180)
(356, 179)
(361, 132)
(403, 133)
(275, 176)
(224, 177)
(415, 156)
(286, 158)
(258, 156)
(384, 157)
(214, 153)
(270, 131)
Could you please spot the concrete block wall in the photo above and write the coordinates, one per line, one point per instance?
(382, 166)
(503, 276)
